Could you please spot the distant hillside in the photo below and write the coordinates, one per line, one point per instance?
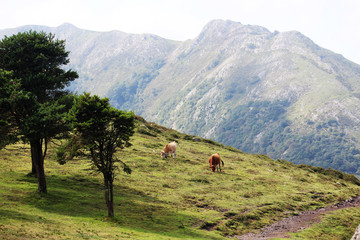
(171, 198)
(276, 93)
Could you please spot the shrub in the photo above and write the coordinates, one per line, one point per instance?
(143, 130)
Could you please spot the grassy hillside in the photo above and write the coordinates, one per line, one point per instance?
(168, 198)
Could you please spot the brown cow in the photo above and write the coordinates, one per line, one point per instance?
(215, 161)
(170, 148)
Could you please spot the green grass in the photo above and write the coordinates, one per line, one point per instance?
(165, 198)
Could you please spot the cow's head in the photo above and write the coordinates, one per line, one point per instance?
(213, 167)
(164, 154)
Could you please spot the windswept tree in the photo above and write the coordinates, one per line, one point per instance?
(99, 132)
(33, 99)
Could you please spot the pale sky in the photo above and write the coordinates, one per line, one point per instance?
(332, 24)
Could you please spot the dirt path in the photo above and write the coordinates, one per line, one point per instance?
(296, 223)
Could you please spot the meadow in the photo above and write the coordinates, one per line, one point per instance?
(169, 198)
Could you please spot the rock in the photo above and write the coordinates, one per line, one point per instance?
(356, 234)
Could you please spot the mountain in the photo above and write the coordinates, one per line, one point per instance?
(107, 59)
(276, 93)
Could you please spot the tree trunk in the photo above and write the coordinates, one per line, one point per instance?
(33, 164)
(109, 196)
(38, 160)
(111, 209)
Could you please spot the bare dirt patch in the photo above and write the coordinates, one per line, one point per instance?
(296, 223)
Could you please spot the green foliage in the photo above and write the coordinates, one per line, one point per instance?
(92, 113)
(69, 149)
(8, 128)
(36, 59)
(35, 95)
(101, 128)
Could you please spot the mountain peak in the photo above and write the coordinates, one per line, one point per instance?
(222, 23)
(67, 26)
(223, 28)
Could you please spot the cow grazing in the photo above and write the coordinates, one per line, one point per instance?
(170, 148)
(215, 162)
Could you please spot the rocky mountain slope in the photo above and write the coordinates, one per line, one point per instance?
(242, 85)
(107, 59)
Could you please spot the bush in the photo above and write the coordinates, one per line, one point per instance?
(212, 142)
(208, 225)
(143, 130)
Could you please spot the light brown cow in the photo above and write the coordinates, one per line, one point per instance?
(215, 161)
(170, 148)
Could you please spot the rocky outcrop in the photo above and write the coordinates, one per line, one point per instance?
(356, 234)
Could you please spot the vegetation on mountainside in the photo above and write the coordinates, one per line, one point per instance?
(166, 198)
(124, 95)
(263, 127)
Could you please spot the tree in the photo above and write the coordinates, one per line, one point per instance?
(8, 130)
(101, 130)
(33, 99)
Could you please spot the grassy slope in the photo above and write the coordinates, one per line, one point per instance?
(166, 199)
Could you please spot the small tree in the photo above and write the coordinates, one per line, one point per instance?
(101, 130)
(32, 92)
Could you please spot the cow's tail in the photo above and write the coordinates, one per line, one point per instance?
(222, 162)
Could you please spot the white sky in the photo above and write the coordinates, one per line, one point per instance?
(332, 24)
